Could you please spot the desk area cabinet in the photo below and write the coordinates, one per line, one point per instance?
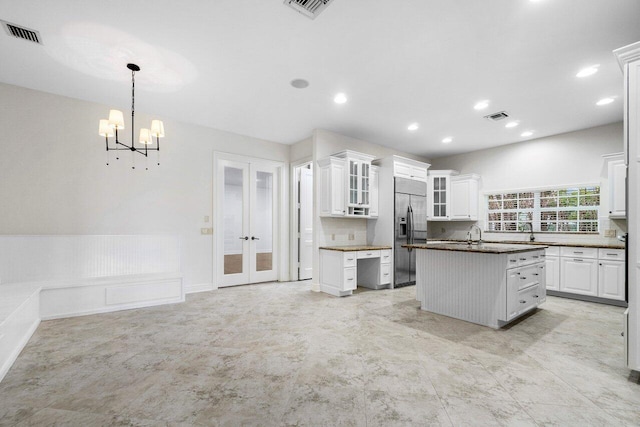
(343, 268)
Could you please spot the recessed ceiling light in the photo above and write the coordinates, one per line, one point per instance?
(511, 124)
(481, 105)
(447, 140)
(589, 71)
(413, 126)
(340, 98)
(605, 101)
(526, 133)
(299, 83)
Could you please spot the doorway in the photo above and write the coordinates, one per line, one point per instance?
(303, 221)
(247, 213)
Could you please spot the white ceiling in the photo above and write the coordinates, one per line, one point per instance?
(227, 64)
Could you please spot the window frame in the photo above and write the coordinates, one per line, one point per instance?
(569, 209)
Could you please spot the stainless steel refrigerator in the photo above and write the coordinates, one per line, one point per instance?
(410, 227)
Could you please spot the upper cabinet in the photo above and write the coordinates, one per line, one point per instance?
(464, 197)
(452, 197)
(410, 169)
(617, 174)
(348, 185)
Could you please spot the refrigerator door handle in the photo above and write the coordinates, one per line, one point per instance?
(409, 225)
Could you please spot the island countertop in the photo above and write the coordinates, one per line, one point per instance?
(353, 248)
(488, 248)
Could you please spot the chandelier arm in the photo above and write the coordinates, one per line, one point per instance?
(133, 97)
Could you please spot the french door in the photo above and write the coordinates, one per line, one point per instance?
(247, 221)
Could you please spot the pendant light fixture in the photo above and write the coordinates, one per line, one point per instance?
(109, 127)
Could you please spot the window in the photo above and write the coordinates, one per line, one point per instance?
(560, 210)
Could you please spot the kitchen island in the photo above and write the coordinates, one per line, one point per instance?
(490, 284)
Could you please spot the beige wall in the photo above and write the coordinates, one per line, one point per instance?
(54, 179)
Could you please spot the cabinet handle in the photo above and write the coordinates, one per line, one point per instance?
(523, 301)
(350, 280)
(523, 259)
(386, 274)
(244, 238)
(600, 264)
(536, 296)
(535, 274)
(368, 253)
(512, 260)
(523, 278)
(576, 252)
(612, 254)
(578, 260)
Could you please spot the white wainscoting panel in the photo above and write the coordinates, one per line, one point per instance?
(46, 258)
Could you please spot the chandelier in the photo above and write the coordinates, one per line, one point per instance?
(110, 127)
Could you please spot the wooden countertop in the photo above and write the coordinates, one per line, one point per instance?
(485, 247)
(353, 248)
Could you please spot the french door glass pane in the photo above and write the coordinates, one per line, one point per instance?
(263, 223)
(233, 214)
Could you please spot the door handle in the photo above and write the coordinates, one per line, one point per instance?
(254, 238)
(244, 238)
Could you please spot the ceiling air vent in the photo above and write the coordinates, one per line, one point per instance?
(309, 8)
(497, 116)
(21, 32)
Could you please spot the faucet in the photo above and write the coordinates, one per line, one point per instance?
(479, 232)
(531, 237)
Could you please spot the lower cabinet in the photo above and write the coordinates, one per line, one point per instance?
(586, 271)
(341, 272)
(579, 276)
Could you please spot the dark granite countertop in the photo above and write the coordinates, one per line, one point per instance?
(352, 248)
(485, 247)
(517, 242)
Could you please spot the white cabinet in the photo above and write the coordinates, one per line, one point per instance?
(552, 267)
(464, 197)
(410, 169)
(342, 271)
(617, 174)
(332, 186)
(452, 197)
(611, 274)
(438, 193)
(374, 193)
(346, 185)
(579, 276)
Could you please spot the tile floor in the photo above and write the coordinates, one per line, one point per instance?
(279, 354)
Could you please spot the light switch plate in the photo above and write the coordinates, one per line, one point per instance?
(206, 218)
(206, 231)
(609, 233)
(352, 237)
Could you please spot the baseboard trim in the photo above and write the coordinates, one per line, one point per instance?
(18, 349)
(200, 287)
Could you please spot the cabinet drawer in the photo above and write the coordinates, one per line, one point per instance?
(385, 274)
(349, 259)
(611, 254)
(576, 252)
(528, 276)
(385, 256)
(368, 254)
(552, 251)
(349, 279)
(527, 299)
(525, 258)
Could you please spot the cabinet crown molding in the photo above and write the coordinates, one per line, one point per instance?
(627, 54)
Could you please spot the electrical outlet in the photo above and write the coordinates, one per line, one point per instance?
(206, 218)
(609, 233)
(333, 237)
(443, 230)
(352, 237)
(206, 231)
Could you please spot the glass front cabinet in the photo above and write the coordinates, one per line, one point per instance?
(439, 194)
(360, 191)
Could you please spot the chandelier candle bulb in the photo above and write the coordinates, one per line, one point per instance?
(145, 136)
(157, 128)
(116, 119)
(105, 129)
